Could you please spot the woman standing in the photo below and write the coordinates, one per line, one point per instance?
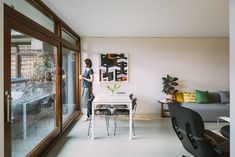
(87, 94)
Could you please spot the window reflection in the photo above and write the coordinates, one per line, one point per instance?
(68, 37)
(68, 82)
(33, 97)
(33, 13)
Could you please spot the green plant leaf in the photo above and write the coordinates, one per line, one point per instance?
(169, 84)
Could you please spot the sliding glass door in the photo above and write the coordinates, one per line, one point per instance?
(68, 83)
(32, 92)
(41, 67)
(32, 118)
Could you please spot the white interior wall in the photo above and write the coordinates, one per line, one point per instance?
(1, 83)
(232, 76)
(199, 63)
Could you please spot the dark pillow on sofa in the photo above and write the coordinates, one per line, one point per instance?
(224, 97)
(214, 97)
(202, 97)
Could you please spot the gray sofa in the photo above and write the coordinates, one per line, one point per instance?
(210, 111)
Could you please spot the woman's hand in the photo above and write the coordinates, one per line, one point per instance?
(91, 79)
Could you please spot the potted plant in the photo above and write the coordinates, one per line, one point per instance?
(113, 88)
(169, 84)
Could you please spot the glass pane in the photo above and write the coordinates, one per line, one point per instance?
(28, 10)
(32, 91)
(68, 37)
(27, 62)
(68, 82)
(13, 65)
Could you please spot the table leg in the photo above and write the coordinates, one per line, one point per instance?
(162, 114)
(130, 121)
(93, 122)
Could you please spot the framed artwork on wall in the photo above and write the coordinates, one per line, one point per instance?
(113, 67)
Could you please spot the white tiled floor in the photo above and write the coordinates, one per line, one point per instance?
(154, 137)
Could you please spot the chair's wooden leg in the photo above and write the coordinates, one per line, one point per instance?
(89, 127)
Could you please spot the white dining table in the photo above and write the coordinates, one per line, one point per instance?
(116, 99)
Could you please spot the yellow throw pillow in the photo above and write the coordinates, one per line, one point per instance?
(189, 97)
(179, 97)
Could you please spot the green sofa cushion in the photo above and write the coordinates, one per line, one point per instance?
(202, 96)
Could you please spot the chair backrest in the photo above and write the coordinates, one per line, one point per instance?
(134, 106)
(131, 96)
(48, 102)
(225, 131)
(189, 127)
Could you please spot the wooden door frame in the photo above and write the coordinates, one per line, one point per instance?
(16, 21)
(7, 84)
(77, 112)
(19, 22)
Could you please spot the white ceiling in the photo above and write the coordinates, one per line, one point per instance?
(144, 18)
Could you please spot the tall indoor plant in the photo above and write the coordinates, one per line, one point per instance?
(169, 84)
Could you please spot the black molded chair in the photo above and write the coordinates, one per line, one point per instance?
(189, 127)
(123, 106)
(102, 110)
(120, 111)
(225, 131)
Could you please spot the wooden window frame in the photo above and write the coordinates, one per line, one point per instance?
(17, 21)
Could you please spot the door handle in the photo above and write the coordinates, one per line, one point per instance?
(8, 97)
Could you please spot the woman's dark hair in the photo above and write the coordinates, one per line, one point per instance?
(88, 63)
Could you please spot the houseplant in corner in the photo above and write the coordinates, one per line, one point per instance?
(169, 84)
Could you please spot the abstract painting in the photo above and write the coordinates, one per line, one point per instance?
(113, 67)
